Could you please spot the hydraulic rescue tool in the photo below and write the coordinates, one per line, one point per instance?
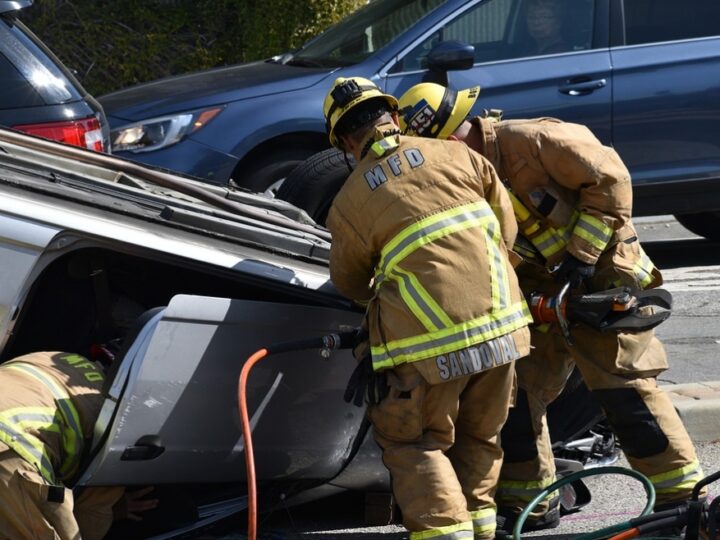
(620, 309)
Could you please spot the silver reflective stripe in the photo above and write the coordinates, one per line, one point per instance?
(409, 287)
(466, 335)
(62, 398)
(679, 480)
(525, 493)
(389, 259)
(597, 233)
(30, 417)
(554, 241)
(19, 442)
(68, 415)
(442, 536)
(500, 281)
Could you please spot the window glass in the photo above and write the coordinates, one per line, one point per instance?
(15, 91)
(648, 21)
(32, 64)
(505, 29)
(365, 31)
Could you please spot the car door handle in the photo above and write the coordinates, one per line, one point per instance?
(581, 87)
(147, 447)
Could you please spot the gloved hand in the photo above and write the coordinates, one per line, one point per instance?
(574, 270)
(365, 384)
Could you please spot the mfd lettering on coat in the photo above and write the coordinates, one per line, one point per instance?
(486, 355)
(394, 165)
(80, 362)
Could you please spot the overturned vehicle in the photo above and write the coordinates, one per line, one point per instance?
(187, 281)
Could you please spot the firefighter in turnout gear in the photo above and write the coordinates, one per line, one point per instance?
(572, 199)
(48, 407)
(419, 231)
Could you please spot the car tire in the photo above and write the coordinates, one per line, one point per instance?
(267, 173)
(313, 184)
(706, 224)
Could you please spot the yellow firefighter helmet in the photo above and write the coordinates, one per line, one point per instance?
(431, 110)
(345, 94)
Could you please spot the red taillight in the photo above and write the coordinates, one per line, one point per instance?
(86, 133)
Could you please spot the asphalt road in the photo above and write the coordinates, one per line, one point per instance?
(691, 266)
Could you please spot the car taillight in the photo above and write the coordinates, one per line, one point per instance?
(85, 133)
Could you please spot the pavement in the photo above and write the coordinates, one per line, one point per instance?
(698, 405)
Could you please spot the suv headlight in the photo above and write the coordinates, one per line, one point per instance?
(156, 133)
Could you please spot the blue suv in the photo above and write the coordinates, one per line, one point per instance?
(644, 75)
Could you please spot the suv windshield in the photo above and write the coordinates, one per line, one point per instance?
(364, 32)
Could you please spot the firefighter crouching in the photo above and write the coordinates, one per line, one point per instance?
(572, 198)
(48, 407)
(419, 234)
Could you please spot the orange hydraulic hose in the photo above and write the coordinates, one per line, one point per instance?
(625, 535)
(247, 437)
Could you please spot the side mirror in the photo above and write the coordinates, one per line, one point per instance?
(450, 56)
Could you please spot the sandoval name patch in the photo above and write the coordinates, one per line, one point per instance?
(486, 355)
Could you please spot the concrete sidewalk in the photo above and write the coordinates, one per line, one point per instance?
(699, 407)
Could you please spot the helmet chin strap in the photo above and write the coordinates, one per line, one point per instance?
(381, 131)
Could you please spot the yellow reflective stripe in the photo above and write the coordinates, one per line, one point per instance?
(677, 480)
(31, 419)
(380, 147)
(72, 436)
(428, 230)
(459, 336)
(484, 521)
(549, 242)
(644, 269)
(593, 231)
(524, 491)
(30, 448)
(417, 299)
(450, 532)
(499, 281)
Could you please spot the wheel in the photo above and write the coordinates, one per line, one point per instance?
(705, 224)
(268, 173)
(313, 185)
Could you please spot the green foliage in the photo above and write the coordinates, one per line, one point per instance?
(112, 44)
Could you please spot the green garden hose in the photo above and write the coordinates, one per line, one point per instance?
(601, 533)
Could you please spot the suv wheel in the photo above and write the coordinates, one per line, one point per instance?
(705, 224)
(268, 172)
(313, 185)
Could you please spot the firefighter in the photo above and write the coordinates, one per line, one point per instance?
(572, 198)
(419, 234)
(48, 407)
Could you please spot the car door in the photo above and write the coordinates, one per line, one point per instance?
(572, 82)
(666, 63)
(172, 413)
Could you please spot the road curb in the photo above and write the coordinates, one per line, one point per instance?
(698, 405)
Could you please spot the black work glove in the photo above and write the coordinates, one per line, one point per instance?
(574, 270)
(365, 384)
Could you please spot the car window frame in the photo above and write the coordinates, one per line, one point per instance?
(618, 36)
(600, 39)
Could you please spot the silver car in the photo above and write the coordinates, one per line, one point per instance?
(187, 280)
